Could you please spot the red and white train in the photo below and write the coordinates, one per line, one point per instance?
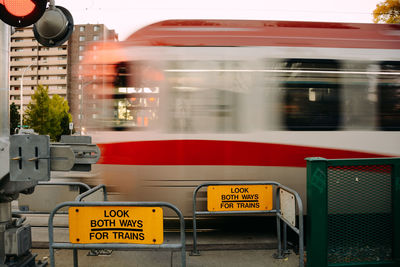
(183, 102)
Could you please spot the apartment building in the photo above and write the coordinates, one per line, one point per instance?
(79, 87)
(32, 64)
(58, 68)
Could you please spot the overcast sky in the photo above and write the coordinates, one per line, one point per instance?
(127, 16)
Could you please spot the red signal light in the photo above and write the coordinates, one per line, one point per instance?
(19, 8)
(21, 13)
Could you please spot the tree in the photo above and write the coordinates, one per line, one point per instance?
(48, 116)
(387, 11)
(14, 118)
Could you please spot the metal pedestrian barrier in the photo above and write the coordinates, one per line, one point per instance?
(115, 225)
(93, 190)
(227, 198)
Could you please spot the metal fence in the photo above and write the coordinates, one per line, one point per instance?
(283, 213)
(78, 203)
(353, 212)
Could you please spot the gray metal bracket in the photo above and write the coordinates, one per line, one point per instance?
(32, 157)
(29, 157)
(85, 152)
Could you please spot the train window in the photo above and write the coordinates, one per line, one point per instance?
(203, 96)
(359, 95)
(310, 94)
(389, 96)
(136, 97)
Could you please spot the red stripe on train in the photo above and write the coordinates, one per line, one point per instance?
(208, 152)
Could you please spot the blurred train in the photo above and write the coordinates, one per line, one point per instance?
(183, 102)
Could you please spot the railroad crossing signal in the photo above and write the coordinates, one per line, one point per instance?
(53, 25)
(21, 13)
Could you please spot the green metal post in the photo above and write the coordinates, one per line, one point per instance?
(317, 254)
(396, 211)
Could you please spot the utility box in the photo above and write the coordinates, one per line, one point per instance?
(353, 212)
(46, 198)
(17, 241)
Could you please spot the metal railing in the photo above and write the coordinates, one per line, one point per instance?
(79, 203)
(93, 190)
(280, 213)
(280, 217)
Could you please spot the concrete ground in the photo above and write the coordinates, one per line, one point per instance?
(217, 258)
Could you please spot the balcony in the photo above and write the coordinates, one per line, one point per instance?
(53, 72)
(35, 72)
(42, 82)
(26, 53)
(24, 43)
(24, 63)
(53, 52)
(27, 32)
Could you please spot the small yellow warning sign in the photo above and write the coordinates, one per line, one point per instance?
(239, 197)
(116, 224)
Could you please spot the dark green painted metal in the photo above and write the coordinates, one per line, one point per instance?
(396, 209)
(317, 213)
(320, 222)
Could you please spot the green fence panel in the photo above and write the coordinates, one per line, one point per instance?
(353, 210)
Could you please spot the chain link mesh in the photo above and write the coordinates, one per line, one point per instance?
(360, 214)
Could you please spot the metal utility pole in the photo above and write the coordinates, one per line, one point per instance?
(21, 89)
(4, 107)
(5, 206)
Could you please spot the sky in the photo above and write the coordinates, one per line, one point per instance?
(127, 16)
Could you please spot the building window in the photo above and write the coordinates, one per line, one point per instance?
(82, 28)
(95, 37)
(81, 48)
(96, 28)
(80, 57)
(82, 38)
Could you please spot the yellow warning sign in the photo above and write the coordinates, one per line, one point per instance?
(116, 224)
(239, 197)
